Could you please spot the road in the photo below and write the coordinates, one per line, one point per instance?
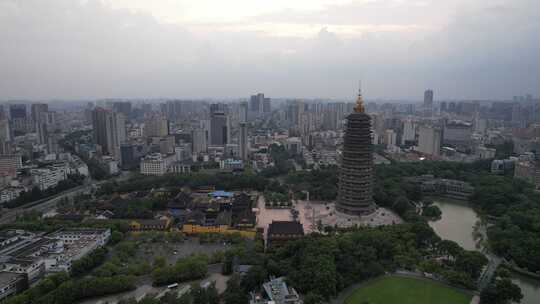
(46, 204)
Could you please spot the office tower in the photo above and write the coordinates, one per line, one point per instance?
(243, 142)
(355, 193)
(428, 102)
(123, 107)
(256, 103)
(200, 144)
(19, 120)
(267, 105)
(5, 137)
(457, 134)
(390, 138)
(156, 126)
(109, 130)
(409, 132)
(35, 112)
(243, 112)
(44, 125)
(219, 126)
(429, 140)
(444, 106)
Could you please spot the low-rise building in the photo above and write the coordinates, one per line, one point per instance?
(155, 164)
(276, 291)
(11, 283)
(280, 232)
(150, 224)
(10, 193)
(45, 178)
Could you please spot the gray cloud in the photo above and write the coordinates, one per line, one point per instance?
(69, 49)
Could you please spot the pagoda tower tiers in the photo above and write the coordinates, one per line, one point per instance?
(355, 193)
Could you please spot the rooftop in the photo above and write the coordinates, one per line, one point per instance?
(285, 227)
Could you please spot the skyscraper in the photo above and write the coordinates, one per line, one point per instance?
(123, 107)
(5, 137)
(355, 193)
(219, 129)
(109, 130)
(256, 103)
(243, 112)
(200, 144)
(44, 126)
(156, 126)
(19, 120)
(428, 102)
(35, 112)
(243, 142)
(267, 105)
(429, 140)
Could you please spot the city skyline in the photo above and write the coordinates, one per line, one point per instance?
(121, 49)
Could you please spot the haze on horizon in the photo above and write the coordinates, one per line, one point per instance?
(67, 49)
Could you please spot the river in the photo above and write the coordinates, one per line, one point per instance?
(457, 224)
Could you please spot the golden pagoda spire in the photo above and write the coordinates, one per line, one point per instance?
(359, 108)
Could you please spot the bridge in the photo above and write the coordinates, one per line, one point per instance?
(487, 275)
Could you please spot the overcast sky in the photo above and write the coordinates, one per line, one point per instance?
(470, 49)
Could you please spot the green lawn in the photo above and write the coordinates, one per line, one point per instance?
(401, 290)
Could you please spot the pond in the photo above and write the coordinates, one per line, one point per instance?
(457, 224)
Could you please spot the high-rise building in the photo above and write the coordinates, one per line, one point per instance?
(17, 111)
(44, 125)
(243, 112)
(267, 105)
(35, 112)
(156, 126)
(256, 103)
(200, 144)
(219, 128)
(109, 130)
(19, 120)
(5, 137)
(9, 164)
(123, 107)
(429, 140)
(243, 141)
(355, 193)
(409, 132)
(428, 102)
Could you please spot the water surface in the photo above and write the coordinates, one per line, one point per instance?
(457, 224)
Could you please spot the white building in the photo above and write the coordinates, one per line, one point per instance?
(409, 131)
(74, 244)
(485, 153)
(200, 143)
(45, 178)
(429, 140)
(10, 193)
(155, 164)
(294, 145)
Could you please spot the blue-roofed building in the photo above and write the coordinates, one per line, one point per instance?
(221, 193)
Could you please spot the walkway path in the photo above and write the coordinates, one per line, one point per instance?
(487, 275)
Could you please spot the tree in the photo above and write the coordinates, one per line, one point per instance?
(471, 262)
(254, 278)
(501, 291)
(402, 205)
(116, 237)
(234, 294)
(313, 298)
(160, 262)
